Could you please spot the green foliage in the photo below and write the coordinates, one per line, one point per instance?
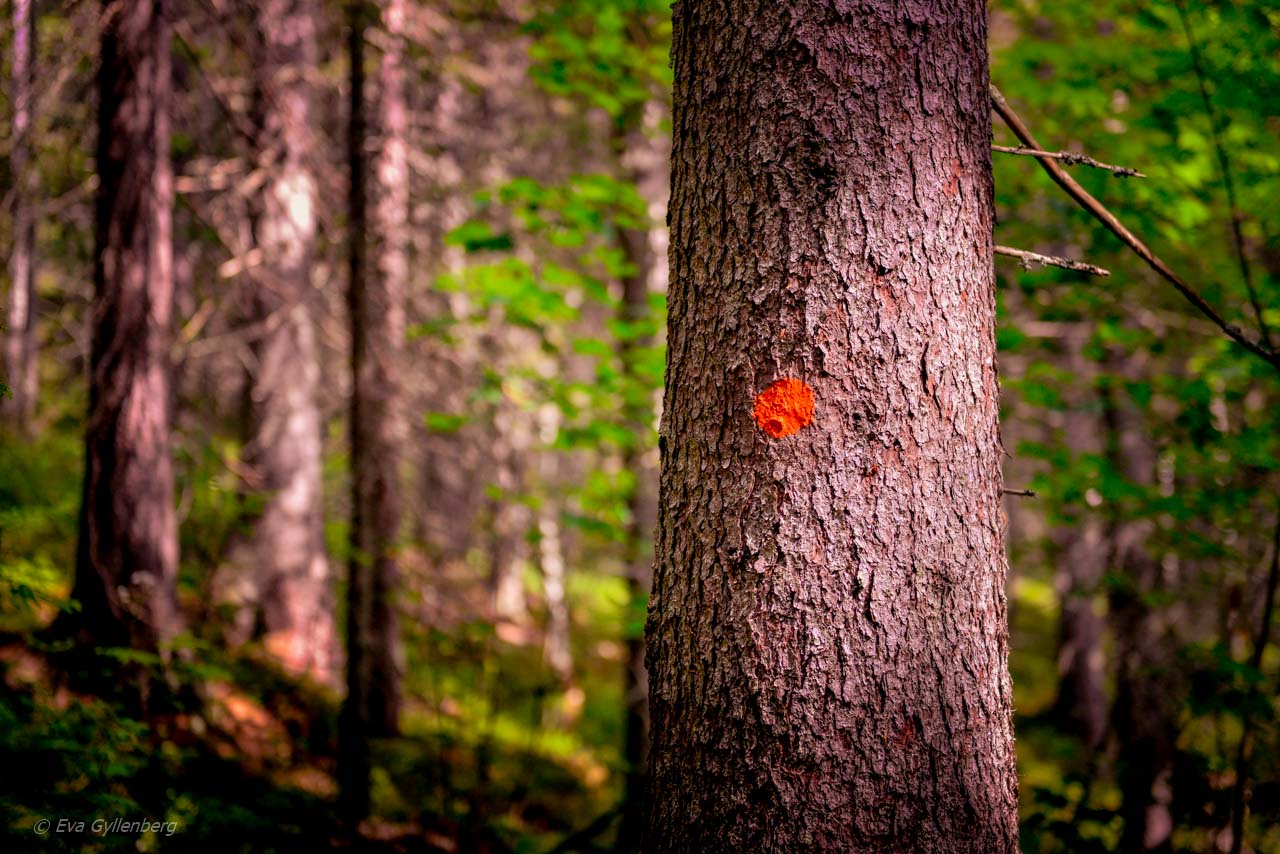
(39, 501)
(1118, 82)
(569, 234)
(610, 55)
(76, 762)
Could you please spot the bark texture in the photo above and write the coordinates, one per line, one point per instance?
(127, 558)
(283, 573)
(827, 634)
(19, 320)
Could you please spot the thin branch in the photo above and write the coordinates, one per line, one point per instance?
(1024, 493)
(1029, 258)
(1255, 661)
(1070, 158)
(1224, 165)
(1100, 212)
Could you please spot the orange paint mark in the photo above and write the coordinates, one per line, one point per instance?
(784, 407)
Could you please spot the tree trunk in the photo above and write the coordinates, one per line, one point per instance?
(284, 570)
(19, 334)
(376, 303)
(1082, 703)
(827, 635)
(510, 529)
(635, 314)
(557, 650)
(1146, 704)
(127, 559)
(380, 322)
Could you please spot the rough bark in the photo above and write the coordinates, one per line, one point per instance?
(376, 304)
(19, 321)
(127, 558)
(827, 634)
(282, 581)
(1084, 550)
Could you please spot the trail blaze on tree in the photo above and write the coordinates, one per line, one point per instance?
(827, 634)
(784, 407)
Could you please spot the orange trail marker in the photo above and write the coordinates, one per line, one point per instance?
(784, 407)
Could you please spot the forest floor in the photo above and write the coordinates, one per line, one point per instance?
(488, 760)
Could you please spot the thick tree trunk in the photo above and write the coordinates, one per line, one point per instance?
(283, 570)
(19, 320)
(827, 634)
(1082, 560)
(127, 560)
(376, 303)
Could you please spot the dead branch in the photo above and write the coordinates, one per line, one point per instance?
(1070, 158)
(1029, 258)
(1100, 212)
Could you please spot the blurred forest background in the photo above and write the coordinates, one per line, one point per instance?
(505, 364)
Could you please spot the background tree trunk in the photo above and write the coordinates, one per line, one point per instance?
(284, 568)
(1145, 709)
(1084, 549)
(353, 749)
(19, 322)
(557, 647)
(634, 312)
(378, 325)
(827, 635)
(127, 559)
(508, 538)
(377, 331)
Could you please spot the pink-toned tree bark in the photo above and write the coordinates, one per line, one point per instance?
(827, 634)
(19, 317)
(127, 560)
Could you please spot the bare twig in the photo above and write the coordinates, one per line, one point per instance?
(1029, 258)
(1070, 158)
(1224, 164)
(1024, 493)
(1100, 212)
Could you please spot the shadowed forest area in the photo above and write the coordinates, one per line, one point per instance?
(338, 341)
